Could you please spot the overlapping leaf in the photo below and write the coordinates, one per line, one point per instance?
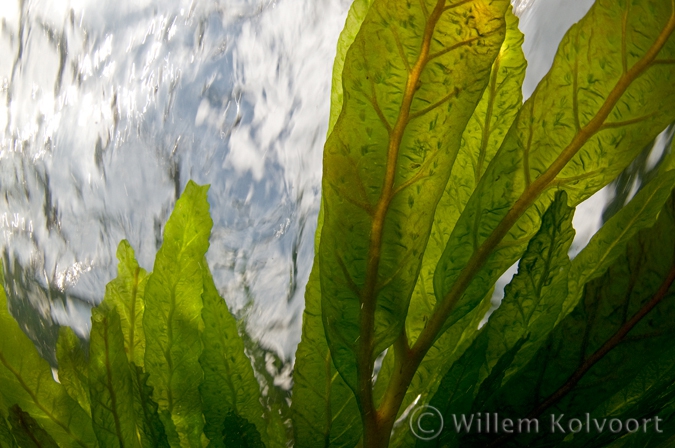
(411, 80)
(110, 385)
(148, 422)
(615, 332)
(607, 95)
(126, 293)
(610, 241)
(27, 381)
(172, 318)
(322, 412)
(482, 137)
(27, 432)
(531, 304)
(6, 437)
(72, 354)
(229, 386)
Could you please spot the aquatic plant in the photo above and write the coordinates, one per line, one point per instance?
(437, 178)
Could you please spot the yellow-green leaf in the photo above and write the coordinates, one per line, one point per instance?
(126, 293)
(172, 319)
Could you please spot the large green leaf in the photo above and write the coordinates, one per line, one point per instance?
(324, 409)
(110, 385)
(608, 93)
(239, 432)
(126, 293)
(411, 81)
(618, 328)
(6, 437)
(229, 383)
(148, 421)
(27, 432)
(27, 381)
(531, 304)
(172, 319)
(610, 241)
(650, 394)
(355, 16)
(482, 137)
(71, 353)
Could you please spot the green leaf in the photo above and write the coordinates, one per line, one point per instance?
(610, 241)
(355, 16)
(606, 96)
(72, 354)
(27, 432)
(6, 437)
(126, 293)
(531, 304)
(148, 422)
(229, 383)
(172, 318)
(619, 327)
(647, 396)
(483, 135)
(239, 432)
(110, 384)
(27, 381)
(323, 409)
(411, 80)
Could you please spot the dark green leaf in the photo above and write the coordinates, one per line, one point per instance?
(72, 353)
(6, 437)
(610, 241)
(531, 305)
(148, 422)
(27, 432)
(239, 432)
(172, 319)
(110, 385)
(618, 328)
(229, 383)
(27, 381)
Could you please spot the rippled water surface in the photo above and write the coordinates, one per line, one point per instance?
(109, 108)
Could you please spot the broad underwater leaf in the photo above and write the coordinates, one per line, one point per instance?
(6, 437)
(355, 16)
(72, 355)
(482, 137)
(619, 328)
(27, 432)
(411, 80)
(172, 318)
(531, 304)
(323, 409)
(608, 93)
(321, 412)
(126, 293)
(110, 385)
(229, 383)
(148, 422)
(610, 241)
(239, 432)
(27, 381)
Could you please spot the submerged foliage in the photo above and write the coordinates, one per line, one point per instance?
(437, 178)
